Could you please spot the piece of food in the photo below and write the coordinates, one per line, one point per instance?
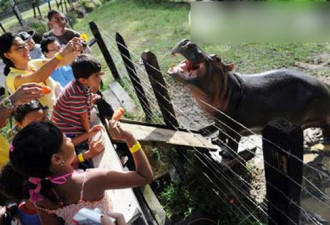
(45, 90)
(118, 113)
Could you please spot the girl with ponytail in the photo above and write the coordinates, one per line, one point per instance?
(41, 157)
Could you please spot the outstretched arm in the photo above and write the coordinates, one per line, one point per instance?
(108, 179)
(70, 51)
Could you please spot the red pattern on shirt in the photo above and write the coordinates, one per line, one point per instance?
(71, 103)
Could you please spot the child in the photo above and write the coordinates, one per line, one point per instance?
(33, 112)
(72, 111)
(50, 181)
(30, 112)
(25, 114)
(49, 47)
(57, 21)
(35, 51)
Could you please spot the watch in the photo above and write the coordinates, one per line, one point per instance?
(7, 103)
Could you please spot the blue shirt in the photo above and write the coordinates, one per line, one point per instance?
(28, 219)
(63, 75)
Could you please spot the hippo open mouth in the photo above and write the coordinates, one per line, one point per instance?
(189, 67)
(185, 70)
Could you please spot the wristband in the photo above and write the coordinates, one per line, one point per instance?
(136, 147)
(81, 158)
(58, 56)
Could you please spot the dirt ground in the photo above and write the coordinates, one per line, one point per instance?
(315, 206)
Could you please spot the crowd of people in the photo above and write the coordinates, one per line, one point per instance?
(45, 159)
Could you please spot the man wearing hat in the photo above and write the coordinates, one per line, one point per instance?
(35, 50)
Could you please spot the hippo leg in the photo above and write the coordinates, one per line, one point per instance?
(326, 133)
(230, 140)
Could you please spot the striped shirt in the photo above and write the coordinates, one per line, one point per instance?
(71, 103)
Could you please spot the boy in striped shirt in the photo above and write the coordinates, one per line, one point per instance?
(72, 111)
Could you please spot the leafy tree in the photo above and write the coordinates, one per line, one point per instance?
(5, 4)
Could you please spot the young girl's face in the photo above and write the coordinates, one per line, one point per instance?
(67, 150)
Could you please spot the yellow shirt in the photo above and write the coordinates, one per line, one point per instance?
(4, 151)
(49, 99)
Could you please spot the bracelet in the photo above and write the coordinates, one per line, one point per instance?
(58, 56)
(81, 158)
(136, 147)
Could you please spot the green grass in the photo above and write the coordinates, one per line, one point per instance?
(159, 27)
(11, 23)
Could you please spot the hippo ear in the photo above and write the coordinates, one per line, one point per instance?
(230, 67)
(215, 57)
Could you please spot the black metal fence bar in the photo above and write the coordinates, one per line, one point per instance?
(104, 50)
(159, 86)
(124, 52)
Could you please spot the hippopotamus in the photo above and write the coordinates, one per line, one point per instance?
(234, 99)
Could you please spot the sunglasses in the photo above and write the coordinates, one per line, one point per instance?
(21, 47)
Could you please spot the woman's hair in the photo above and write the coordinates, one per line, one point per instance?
(30, 156)
(84, 66)
(6, 41)
(24, 109)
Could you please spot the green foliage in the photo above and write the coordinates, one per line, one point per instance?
(212, 198)
(5, 5)
(39, 27)
(89, 5)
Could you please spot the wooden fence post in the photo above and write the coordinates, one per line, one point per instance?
(18, 14)
(158, 84)
(2, 28)
(38, 8)
(49, 5)
(34, 10)
(35, 4)
(176, 165)
(124, 52)
(65, 6)
(104, 50)
(283, 156)
(70, 4)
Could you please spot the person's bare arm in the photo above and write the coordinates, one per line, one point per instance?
(24, 94)
(70, 51)
(48, 219)
(85, 121)
(86, 135)
(108, 179)
(95, 148)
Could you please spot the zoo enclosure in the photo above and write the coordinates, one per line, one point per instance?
(282, 141)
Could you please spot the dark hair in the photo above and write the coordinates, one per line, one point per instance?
(51, 13)
(33, 148)
(84, 66)
(6, 41)
(45, 42)
(24, 109)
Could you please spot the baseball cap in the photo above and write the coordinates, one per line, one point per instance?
(26, 35)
